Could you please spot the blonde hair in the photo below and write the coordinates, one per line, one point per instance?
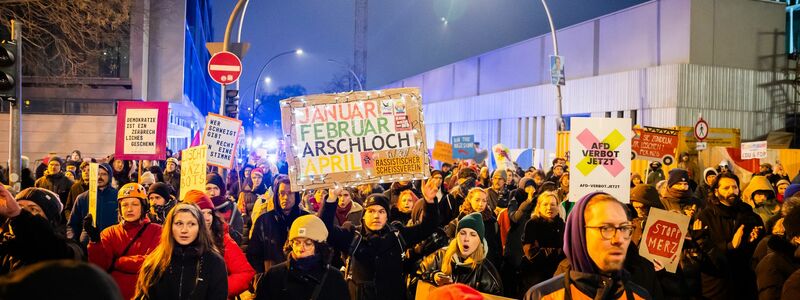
(475, 258)
(466, 207)
(540, 200)
(159, 260)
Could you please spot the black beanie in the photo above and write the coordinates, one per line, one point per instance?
(215, 179)
(45, 199)
(677, 175)
(64, 279)
(647, 195)
(465, 173)
(377, 199)
(162, 189)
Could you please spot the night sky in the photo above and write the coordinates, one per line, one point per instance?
(405, 37)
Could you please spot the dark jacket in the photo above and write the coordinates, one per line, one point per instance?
(483, 277)
(587, 286)
(270, 232)
(173, 179)
(491, 235)
(293, 280)
(33, 240)
(546, 239)
(497, 199)
(776, 268)
(56, 183)
(78, 187)
(107, 215)
(192, 275)
(519, 212)
(791, 288)
(375, 269)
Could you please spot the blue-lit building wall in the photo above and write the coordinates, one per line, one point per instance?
(197, 85)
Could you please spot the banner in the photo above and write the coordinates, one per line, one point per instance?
(662, 237)
(754, 150)
(463, 146)
(655, 144)
(93, 175)
(443, 152)
(141, 130)
(354, 138)
(193, 169)
(600, 157)
(221, 135)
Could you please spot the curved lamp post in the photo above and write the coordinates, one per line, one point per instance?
(358, 80)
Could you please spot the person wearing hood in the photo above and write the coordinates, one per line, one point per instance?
(464, 260)
(760, 195)
(654, 174)
(709, 174)
(54, 179)
(542, 241)
(643, 197)
(78, 187)
(122, 171)
(161, 197)
(270, 231)
(107, 205)
(596, 240)
(172, 174)
(30, 232)
(376, 252)
(307, 273)
(775, 268)
(225, 205)
(678, 196)
(727, 231)
(122, 248)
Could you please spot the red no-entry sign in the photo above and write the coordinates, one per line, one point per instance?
(224, 67)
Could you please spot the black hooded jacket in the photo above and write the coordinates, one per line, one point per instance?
(192, 275)
(270, 232)
(33, 240)
(299, 279)
(483, 277)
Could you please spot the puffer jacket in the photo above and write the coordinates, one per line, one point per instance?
(240, 273)
(578, 285)
(483, 277)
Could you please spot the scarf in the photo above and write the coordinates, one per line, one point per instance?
(341, 213)
(678, 194)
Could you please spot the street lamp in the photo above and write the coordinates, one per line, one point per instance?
(560, 122)
(358, 80)
(297, 52)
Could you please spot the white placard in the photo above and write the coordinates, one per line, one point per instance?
(754, 150)
(600, 157)
(140, 131)
(221, 136)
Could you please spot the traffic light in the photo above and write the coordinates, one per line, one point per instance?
(232, 103)
(8, 71)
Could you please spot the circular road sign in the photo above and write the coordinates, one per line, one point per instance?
(701, 130)
(224, 67)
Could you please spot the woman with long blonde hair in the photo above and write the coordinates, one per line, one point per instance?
(464, 260)
(186, 265)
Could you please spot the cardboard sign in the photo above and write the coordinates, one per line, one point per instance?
(221, 136)
(463, 146)
(754, 150)
(443, 152)
(193, 169)
(141, 130)
(501, 157)
(662, 237)
(600, 156)
(355, 138)
(655, 144)
(93, 175)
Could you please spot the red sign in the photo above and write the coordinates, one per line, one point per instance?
(224, 67)
(141, 130)
(701, 130)
(664, 239)
(655, 144)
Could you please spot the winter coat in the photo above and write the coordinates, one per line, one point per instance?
(483, 277)
(578, 285)
(356, 213)
(293, 280)
(77, 188)
(270, 232)
(776, 268)
(396, 215)
(240, 273)
(233, 219)
(497, 199)
(375, 268)
(33, 240)
(519, 212)
(113, 241)
(791, 288)
(56, 183)
(107, 215)
(491, 235)
(654, 176)
(173, 179)
(546, 239)
(182, 279)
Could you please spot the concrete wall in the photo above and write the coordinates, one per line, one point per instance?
(92, 135)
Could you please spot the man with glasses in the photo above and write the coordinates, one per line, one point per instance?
(596, 240)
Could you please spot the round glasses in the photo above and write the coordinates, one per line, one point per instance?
(609, 232)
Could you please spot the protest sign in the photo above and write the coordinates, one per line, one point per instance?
(754, 150)
(600, 157)
(354, 138)
(655, 144)
(141, 130)
(501, 157)
(662, 237)
(221, 136)
(443, 152)
(193, 169)
(93, 175)
(463, 146)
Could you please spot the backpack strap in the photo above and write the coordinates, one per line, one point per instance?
(127, 248)
(352, 251)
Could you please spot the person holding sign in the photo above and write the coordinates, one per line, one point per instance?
(121, 249)
(106, 212)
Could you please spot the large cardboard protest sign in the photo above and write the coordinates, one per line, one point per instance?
(354, 138)
(93, 175)
(221, 136)
(754, 150)
(443, 152)
(463, 146)
(655, 144)
(600, 157)
(193, 169)
(141, 130)
(663, 236)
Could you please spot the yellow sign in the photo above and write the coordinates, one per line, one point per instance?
(443, 152)
(93, 191)
(193, 169)
(399, 165)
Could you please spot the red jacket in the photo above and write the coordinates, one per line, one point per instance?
(240, 273)
(113, 241)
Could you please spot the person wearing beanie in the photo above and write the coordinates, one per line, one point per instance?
(678, 196)
(636, 179)
(654, 174)
(172, 174)
(760, 195)
(781, 187)
(376, 264)
(54, 179)
(476, 201)
(596, 240)
(271, 229)
(791, 190)
(498, 195)
(147, 179)
(709, 174)
(542, 241)
(225, 205)
(107, 206)
(307, 273)
(256, 185)
(110, 248)
(162, 198)
(78, 187)
(784, 259)
(32, 230)
(643, 197)
(464, 260)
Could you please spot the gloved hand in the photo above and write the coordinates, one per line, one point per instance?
(93, 232)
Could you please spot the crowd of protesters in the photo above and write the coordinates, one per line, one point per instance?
(465, 230)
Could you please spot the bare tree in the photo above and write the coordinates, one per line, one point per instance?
(70, 38)
(340, 82)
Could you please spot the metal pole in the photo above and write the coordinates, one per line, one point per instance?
(239, 35)
(225, 43)
(15, 113)
(560, 122)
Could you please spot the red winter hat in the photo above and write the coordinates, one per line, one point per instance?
(456, 291)
(258, 170)
(198, 198)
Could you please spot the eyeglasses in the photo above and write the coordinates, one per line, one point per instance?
(297, 243)
(609, 232)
